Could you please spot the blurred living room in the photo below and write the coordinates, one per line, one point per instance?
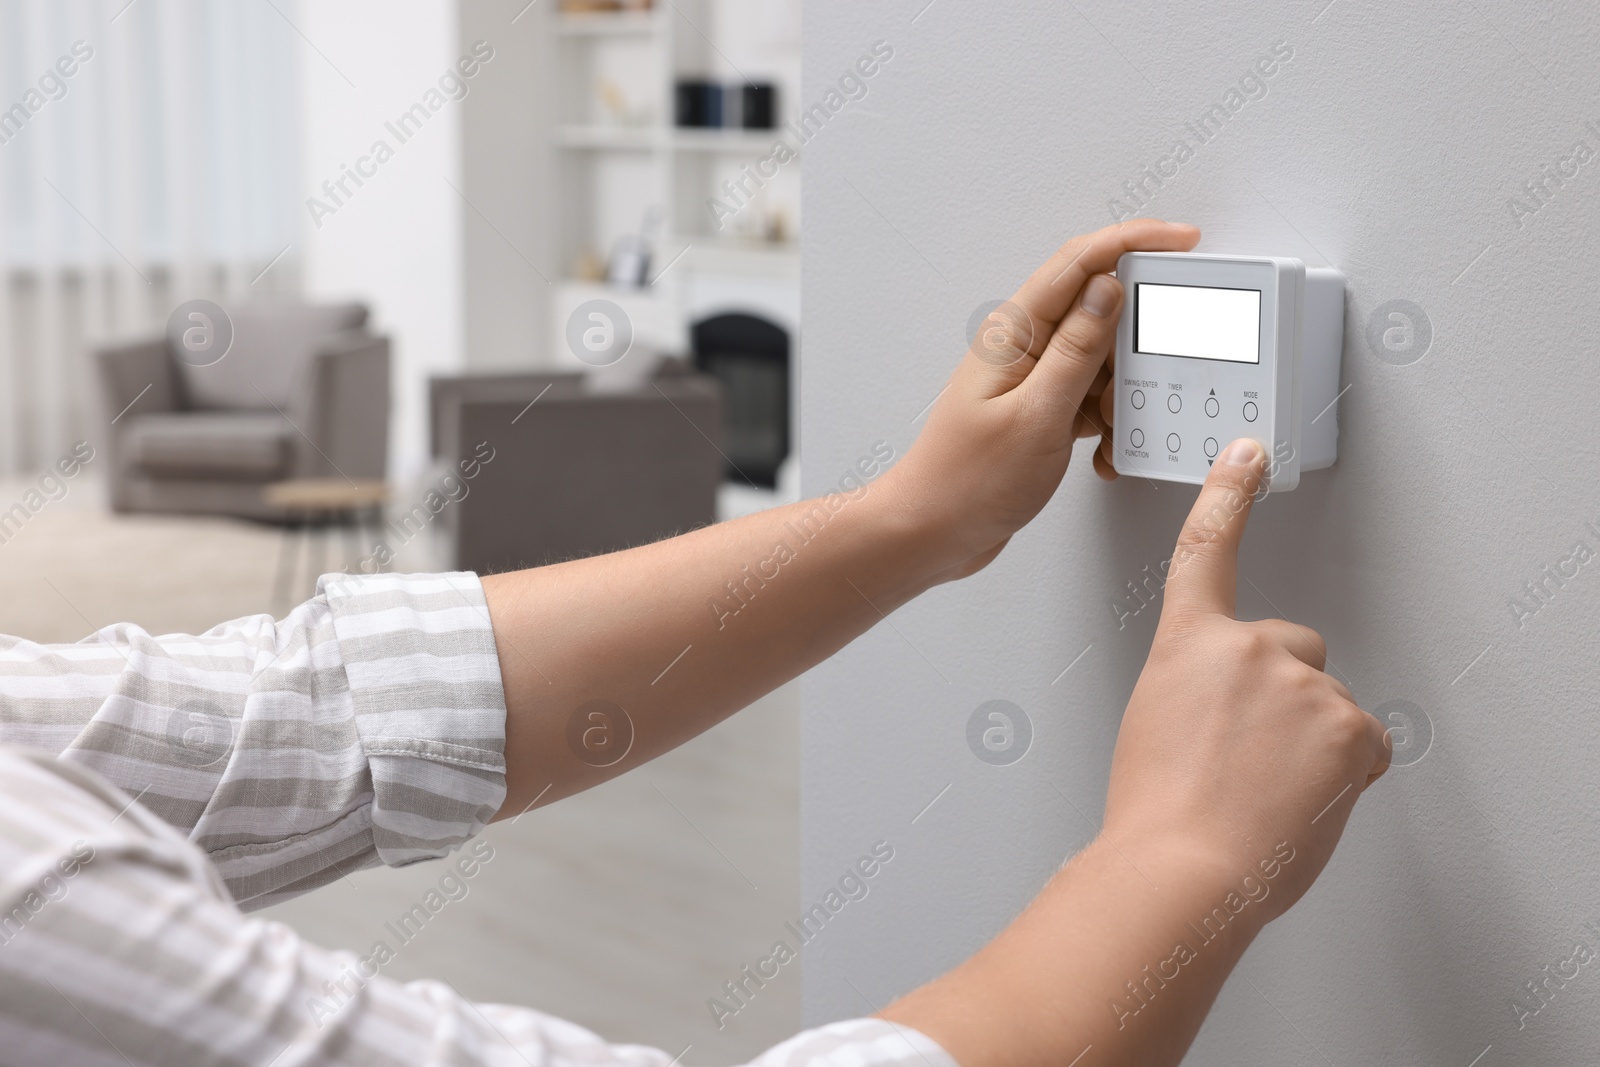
(299, 287)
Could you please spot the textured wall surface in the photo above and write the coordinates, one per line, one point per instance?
(1447, 158)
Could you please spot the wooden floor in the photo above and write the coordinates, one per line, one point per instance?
(624, 909)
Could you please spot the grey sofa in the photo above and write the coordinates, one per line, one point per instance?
(580, 472)
(302, 393)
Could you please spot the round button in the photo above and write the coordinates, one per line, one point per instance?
(1174, 403)
(1211, 447)
(1136, 437)
(1250, 411)
(1173, 442)
(1138, 399)
(1211, 406)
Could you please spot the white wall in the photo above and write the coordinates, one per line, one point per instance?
(397, 241)
(508, 171)
(1388, 146)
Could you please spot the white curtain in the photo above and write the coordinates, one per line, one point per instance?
(148, 155)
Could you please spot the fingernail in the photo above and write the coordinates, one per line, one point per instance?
(1100, 296)
(1242, 452)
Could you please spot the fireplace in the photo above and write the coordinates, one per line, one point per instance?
(749, 354)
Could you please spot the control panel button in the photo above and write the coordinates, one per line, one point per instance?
(1250, 411)
(1211, 406)
(1173, 442)
(1174, 403)
(1138, 399)
(1136, 437)
(1211, 447)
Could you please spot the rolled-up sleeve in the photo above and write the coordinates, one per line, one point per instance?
(366, 727)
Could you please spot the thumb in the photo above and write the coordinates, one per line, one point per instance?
(1203, 577)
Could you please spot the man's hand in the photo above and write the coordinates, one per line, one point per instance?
(1236, 740)
(1235, 749)
(998, 440)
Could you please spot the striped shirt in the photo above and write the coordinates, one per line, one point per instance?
(152, 789)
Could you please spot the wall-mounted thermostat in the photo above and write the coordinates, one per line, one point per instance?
(1213, 348)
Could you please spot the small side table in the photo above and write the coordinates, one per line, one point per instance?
(316, 506)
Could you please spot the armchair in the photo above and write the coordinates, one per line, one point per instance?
(302, 393)
(582, 471)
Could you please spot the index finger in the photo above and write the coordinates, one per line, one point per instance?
(1203, 577)
(1050, 291)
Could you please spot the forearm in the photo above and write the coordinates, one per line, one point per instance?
(1117, 961)
(682, 633)
(656, 644)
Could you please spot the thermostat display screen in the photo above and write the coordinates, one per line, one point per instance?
(1199, 322)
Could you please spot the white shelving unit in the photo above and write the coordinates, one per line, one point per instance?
(622, 160)
(753, 143)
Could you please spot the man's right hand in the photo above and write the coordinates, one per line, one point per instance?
(1235, 749)
(1236, 741)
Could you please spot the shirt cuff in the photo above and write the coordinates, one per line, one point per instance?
(858, 1043)
(424, 675)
